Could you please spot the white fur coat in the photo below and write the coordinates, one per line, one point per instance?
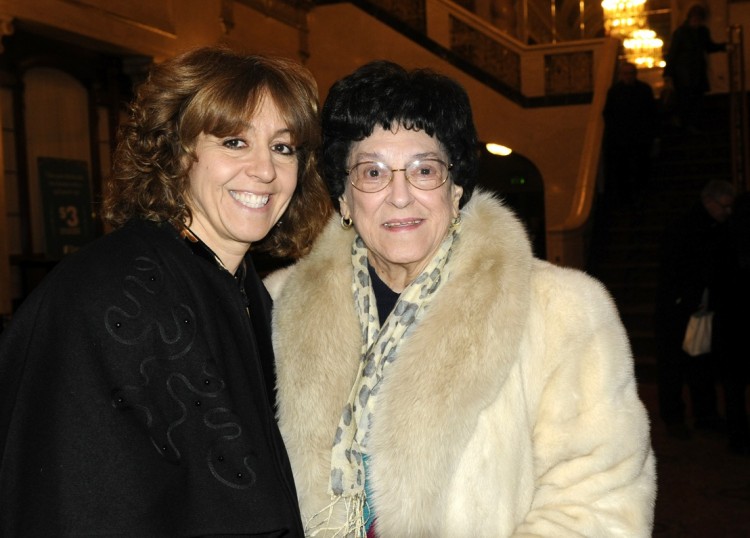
(511, 410)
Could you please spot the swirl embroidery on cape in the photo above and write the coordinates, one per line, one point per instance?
(171, 384)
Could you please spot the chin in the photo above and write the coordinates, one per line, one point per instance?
(255, 231)
(406, 259)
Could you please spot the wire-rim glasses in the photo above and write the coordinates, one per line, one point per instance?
(374, 176)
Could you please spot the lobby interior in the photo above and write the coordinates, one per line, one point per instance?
(537, 74)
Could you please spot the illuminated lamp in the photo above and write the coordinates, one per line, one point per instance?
(497, 149)
(622, 17)
(643, 49)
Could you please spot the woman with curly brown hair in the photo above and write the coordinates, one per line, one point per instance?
(136, 383)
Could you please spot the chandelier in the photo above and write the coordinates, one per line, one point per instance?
(622, 17)
(643, 49)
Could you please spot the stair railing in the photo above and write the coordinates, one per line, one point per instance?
(738, 109)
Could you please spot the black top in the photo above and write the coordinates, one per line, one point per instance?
(136, 399)
(690, 261)
(629, 114)
(385, 297)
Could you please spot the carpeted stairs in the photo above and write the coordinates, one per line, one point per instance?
(704, 491)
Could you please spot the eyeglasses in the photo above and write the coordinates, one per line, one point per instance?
(373, 176)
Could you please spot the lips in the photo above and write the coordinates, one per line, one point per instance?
(248, 199)
(402, 223)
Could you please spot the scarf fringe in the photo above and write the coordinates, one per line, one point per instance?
(353, 527)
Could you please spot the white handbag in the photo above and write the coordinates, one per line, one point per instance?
(697, 339)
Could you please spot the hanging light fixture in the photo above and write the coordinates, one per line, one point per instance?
(643, 49)
(622, 17)
(498, 149)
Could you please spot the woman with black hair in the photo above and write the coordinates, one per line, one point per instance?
(434, 379)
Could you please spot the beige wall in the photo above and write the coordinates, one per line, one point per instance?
(334, 40)
(57, 125)
(337, 38)
(341, 37)
(552, 137)
(158, 28)
(56, 104)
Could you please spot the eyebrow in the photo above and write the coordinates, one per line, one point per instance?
(278, 132)
(250, 127)
(374, 156)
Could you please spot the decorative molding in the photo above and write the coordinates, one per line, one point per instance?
(156, 17)
(290, 12)
(6, 29)
(487, 54)
(226, 17)
(147, 25)
(468, 67)
(413, 13)
(569, 73)
(6, 26)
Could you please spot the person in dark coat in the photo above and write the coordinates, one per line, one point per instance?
(136, 382)
(690, 265)
(731, 321)
(630, 128)
(686, 67)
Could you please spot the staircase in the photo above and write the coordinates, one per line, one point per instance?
(624, 250)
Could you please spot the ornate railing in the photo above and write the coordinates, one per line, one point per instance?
(476, 47)
(564, 76)
(738, 109)
(530, 21)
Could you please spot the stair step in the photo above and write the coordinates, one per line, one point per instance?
(625, 242)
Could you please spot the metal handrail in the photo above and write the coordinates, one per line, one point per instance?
(738, 109)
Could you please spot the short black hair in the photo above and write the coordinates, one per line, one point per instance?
(383, 93)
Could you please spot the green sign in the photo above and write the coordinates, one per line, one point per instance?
(66, 201)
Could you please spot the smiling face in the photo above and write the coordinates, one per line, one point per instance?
(241, 185)
(401, 225)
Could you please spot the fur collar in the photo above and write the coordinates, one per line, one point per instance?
(454, 364)
(448, 369)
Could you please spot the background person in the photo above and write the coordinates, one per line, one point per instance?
(692, 250)
(136, 383)
(731, 321)
(434, 379)
(686, 67)
(630, 129)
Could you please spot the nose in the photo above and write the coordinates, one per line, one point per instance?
(400, 194)
(260, 165)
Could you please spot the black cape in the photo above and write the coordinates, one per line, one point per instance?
(137, 399)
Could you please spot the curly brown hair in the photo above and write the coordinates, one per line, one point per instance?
(214, 90)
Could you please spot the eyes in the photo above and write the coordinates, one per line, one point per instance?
(280, 148)
(374, 176)
(284, 149)
(234, 143)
